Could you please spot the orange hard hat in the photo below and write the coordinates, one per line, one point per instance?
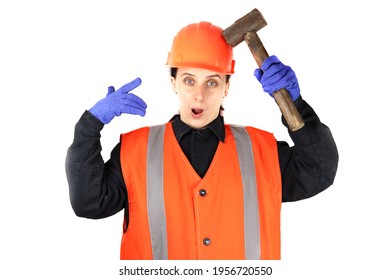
(201, 45)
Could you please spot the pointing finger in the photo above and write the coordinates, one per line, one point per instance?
(130, 86)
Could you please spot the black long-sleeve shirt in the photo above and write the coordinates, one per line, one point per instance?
(97, 189)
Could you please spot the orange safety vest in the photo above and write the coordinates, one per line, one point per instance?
(233, 212)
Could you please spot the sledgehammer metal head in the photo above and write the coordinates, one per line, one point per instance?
(251, 22)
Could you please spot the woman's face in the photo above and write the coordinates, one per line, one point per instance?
(200, 93)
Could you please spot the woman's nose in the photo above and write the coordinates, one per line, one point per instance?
(199, 94)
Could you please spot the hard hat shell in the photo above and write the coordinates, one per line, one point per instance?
(201, 45)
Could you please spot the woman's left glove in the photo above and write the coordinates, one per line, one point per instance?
(274, 75)
(118, 102)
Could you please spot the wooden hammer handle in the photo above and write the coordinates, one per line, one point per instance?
(282, 97)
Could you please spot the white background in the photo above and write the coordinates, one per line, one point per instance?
(57, 59)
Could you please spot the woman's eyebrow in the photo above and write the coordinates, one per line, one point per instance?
(189, 74)
(192, 75)
(214, 76)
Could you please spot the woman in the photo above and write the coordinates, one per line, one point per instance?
(196, 188)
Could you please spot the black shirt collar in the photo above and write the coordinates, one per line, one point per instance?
(216, 126)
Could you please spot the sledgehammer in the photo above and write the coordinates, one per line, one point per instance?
(245, 28)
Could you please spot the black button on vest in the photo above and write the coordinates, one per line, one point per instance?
(203, 192)
(206, 241)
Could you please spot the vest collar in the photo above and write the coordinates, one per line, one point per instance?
(216, 126)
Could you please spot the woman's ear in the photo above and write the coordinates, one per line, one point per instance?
(173, 83)
(227, 89)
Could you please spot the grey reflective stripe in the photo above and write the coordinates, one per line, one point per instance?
(251, 209)
(155, 193)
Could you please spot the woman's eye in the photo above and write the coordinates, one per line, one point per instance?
(189, 82)
(212, 83)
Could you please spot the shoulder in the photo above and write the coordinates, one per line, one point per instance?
(141, 133)
(135, 133)
(249, 129)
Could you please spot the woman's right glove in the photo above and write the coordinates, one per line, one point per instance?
(117, 102)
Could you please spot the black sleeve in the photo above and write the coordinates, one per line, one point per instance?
(96, 189)
(310, 166)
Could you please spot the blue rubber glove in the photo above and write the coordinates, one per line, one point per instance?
(274, 75)
(117, 102)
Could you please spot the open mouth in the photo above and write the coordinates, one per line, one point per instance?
(197, 112)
